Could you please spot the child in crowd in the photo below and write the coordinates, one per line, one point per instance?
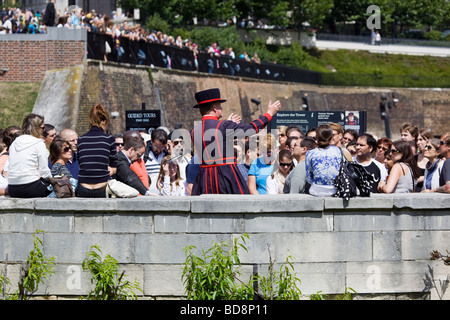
(282, 167)
(169, 181)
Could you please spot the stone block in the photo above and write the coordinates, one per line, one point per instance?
(68, 280)
(17, 222)
(428, 201)
(326, 277)
(61, 222)
(169, 248)
(154, 204)
(71, 248)
(199, 223)
(256, 203)
(374, 220)
(387, 277)
(88, 222)
(16, 246)
(16, 204)
(130, 223)
(417, 245)
(290, 222)
(261, 247)
(435, 219)
(324, 246)
(372, 202)
(76, 205)
(387, 246)
(163, 280)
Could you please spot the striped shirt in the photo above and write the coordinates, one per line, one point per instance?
(96, 151)
(153, 165)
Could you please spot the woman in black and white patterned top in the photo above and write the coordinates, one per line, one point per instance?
(60, 153)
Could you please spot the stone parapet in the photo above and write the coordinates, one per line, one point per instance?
(379, 245)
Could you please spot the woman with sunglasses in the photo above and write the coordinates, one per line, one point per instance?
(404, 172)
(283, 166)
(422, 140)
(434, 166)
(60, 154)
(383, 145)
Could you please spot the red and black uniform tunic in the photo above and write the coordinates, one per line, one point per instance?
(213, 141)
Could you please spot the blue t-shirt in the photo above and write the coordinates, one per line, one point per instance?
(261, 171)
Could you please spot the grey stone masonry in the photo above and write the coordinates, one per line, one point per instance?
(375, 245)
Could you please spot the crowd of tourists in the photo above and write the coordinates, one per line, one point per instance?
(165, 163)
(117, 25)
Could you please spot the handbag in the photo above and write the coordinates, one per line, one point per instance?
(107, 47)
(117, 189)
(62, 186)
(352, 177)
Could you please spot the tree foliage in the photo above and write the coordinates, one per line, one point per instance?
(319, 14)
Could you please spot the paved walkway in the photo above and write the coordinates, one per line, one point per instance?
(389, 48)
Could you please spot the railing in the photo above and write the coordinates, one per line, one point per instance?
(145, 53)
(385, 40)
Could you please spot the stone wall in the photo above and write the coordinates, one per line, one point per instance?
(378, 246)
(28, 56)
(126, 87)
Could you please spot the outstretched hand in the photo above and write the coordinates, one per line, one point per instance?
(235, 118)
(273, 108)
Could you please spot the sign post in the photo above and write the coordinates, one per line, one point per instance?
(142, 120)
(305, 120)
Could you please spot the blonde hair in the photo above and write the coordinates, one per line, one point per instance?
(337, 127)
(98, 117)
(267, 142)
(159, 181)
(32, 124)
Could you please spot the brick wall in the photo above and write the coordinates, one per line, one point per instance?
(28, 57)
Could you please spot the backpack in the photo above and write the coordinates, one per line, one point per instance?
(351, 178)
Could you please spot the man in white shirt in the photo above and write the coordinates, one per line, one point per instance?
(365, 144)
(7, 24)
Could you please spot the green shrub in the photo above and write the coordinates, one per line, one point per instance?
(33, 272)
(214, 276)
(433, 35)
(109, 285)
(155, 22)
(293, 55)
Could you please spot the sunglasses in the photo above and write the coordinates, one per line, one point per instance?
(394, 151)
(67, 149)
(441, 143)
(285, 164)
(176, 142)
(381, 147)
(429, 147)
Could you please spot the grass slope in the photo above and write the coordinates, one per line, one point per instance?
(16, 101)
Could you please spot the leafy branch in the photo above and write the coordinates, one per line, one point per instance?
(108, 284)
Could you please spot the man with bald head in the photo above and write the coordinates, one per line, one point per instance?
(72, 138)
